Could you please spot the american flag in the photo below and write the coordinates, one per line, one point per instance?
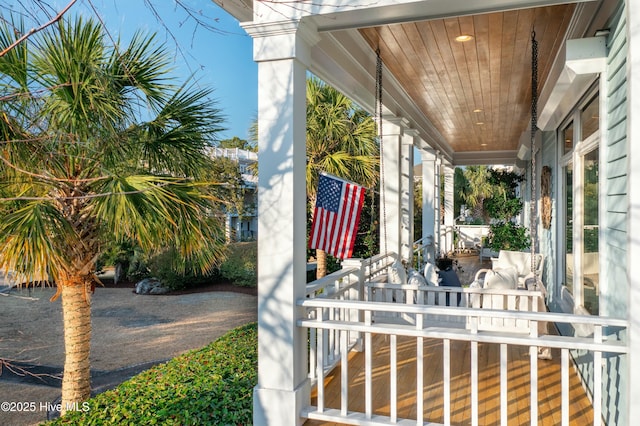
(336, 216)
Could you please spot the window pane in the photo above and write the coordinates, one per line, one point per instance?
(590, 118)
(568, 190)
(567, 137)
(590, 257)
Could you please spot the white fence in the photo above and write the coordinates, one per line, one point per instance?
(598, 345)
(346, 309)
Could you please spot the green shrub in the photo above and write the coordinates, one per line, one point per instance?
(241, 265)
(508, 236)
(212, 385)
(161, 266)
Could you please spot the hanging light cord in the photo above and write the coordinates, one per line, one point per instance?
(534, 129)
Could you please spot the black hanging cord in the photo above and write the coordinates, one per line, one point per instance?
(378, 101)
(534, 129)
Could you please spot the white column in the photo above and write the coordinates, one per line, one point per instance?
(406, 200)
(283, 388)
(390, 192)
(448, 208)
(228, 228)
(429, 200)
(438, 209)
(633, 222)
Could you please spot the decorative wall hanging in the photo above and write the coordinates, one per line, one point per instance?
(545, 188)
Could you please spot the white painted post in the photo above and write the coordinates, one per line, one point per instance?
(429, 200)
(633, 220)
(282, 51)
(448, 207)
(390, 192)
(438, 235)
(406, 198)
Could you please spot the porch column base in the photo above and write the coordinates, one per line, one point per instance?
(280, 407)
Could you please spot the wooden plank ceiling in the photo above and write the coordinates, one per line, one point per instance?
(476, 93)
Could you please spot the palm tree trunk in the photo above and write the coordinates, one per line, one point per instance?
(321, 258)
(76, 318)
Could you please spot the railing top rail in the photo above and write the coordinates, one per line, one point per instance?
(445, 289)
(440, 332)
(464, 312)
(330, 279)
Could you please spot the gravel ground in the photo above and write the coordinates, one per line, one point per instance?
(130, 333)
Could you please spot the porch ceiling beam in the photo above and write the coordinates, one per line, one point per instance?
(475, 158)
(328, 19)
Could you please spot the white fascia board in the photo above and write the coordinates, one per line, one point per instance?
(586, 55)
(364, 13)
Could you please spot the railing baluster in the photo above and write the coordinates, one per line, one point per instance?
(420, 379)
(344, 372)
(597, 377)
(533, 355)
(320, 365)
(564, 378)
(474, 383)
(504, 403)
(446, 377)
(368, 356)
(393, 385)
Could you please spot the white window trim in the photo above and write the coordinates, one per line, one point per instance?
(575, 301)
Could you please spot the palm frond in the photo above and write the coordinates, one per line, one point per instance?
(34, 239)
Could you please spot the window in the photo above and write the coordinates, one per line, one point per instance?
(567, 137)
(590, 118)
(578, 140)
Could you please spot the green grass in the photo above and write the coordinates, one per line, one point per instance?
(208, 386)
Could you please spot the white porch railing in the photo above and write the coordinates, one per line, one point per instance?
(598, 344)
(345, 284)
(484, 298)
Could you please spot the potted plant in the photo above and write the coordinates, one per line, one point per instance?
(504, 205)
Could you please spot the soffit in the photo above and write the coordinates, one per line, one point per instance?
(486, 80)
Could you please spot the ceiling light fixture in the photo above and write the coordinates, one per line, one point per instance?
(477, 110)
(464, 37)
(480, 123)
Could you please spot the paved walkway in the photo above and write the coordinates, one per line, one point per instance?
(130, 333)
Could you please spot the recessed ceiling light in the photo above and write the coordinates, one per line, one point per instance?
(480, 123)
(477, 110)
(464, 37)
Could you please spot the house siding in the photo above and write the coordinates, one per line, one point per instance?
(614, 279)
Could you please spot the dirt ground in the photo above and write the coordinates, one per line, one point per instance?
(130, 333)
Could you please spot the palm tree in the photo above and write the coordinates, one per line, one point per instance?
(478, 189)
(79, 167)
(341, 140)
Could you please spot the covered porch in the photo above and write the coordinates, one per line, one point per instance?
(454, 103)
(428, 359)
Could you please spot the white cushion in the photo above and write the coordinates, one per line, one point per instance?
(506, 278)
(475, 299)
(414, 278)
(430, 274)
(397, 273)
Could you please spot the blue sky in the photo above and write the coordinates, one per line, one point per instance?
(220, 59)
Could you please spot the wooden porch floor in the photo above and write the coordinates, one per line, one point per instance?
(549, 391)
(549, 381)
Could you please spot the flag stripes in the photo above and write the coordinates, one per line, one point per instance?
(336, 216)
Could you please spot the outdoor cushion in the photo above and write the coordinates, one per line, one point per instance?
(505, 278)
(414, 278)
(397, 273)
(431, 275)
